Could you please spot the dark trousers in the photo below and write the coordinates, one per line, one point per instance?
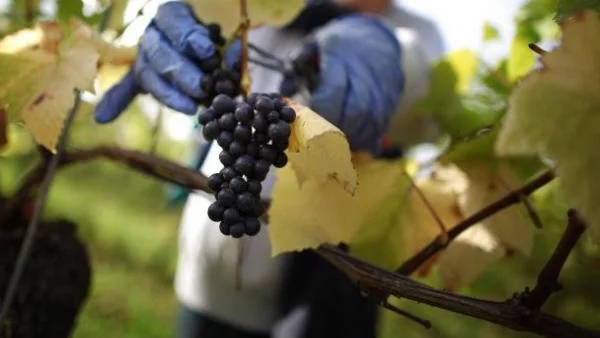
(191, 324)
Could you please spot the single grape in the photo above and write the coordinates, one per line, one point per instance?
(278, 131)
(231, 216)
(211, 130)
(225, 86)
(225, 139)
(226, 197)
(287, 114)
(227, 122)
(252, 226)
(252, 149)
(237, 149)
(281, 145)
(214, 33)
(260, 124)
(264, 105)
(244, 114)
(211, 63)
(261, 168)
(238, 185)
(268, 153)
(223, 104)
(237, 230)
(207, 116)
(225, 228)
(242, 134)
(206, 84)
(254, 187)
(273, 116)
(244, 164)
(251, 100)
(245, 202)
(215, 212)
(224, 185)
(281, 160)
(229, 173)
(226, 158)
(236, 76)
(215, 181)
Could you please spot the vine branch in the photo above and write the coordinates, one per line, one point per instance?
(440, 243)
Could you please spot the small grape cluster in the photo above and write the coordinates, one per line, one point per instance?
(253, 135)
(218, 78)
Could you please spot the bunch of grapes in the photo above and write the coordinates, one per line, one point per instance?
(253, 135)
(218, 78)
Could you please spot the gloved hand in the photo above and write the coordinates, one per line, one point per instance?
(361, 78)
(167, 64)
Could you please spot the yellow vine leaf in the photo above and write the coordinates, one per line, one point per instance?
(403, 224)
(511, 227)
(108, 52)
(555, 113)
(261, 12)
(319, 151)
(37, 86)
(314, 213)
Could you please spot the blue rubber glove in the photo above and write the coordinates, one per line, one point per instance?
(361, 78)
(166, 67)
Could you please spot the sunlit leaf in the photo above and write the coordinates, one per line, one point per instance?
(490, 32)
(521, 59)
(566, 8)
(37, 86)
(555, 113)
(261, 12)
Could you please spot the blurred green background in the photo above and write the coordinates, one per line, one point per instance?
(131, 228)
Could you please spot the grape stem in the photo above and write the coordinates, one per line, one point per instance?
(244, 27)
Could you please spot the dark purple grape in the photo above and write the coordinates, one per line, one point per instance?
(278, 103)
(206, 84)
(229, 173)
(275, 96)
(215, 181)
(237, 149)
(278, 131)
(211, 130)
(254, 187)
(260, 123)
(237, 230)
(225, 86)
(251, 100)
(224, 185)
(281, 145)
(268, 153)
(226, 158)
(225, 228)
(209, 65)
(223, 104)
(225, 139)
(252, 226)
(231, 216)
(226, 197)
(252, 149)
(273, 116)
(261, 138)
(264, 105)
(235, 76)
(244, 113)
(238, 185)
(287, 114)
(227, 122)
(281, 160)
(215, 212)
(261, 168)
(214, 33)
(242, 134)
(207, 116)
(244, 164)
(245, 202)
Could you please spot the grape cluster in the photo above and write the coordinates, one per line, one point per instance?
(253, 135)
(218, 78)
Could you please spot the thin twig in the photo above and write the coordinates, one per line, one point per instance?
(413, 263)
(547, 281)
(533, 215)
(244, 27)
(40, 204)
(428, 205)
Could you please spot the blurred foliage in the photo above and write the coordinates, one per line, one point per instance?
(132, 231)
